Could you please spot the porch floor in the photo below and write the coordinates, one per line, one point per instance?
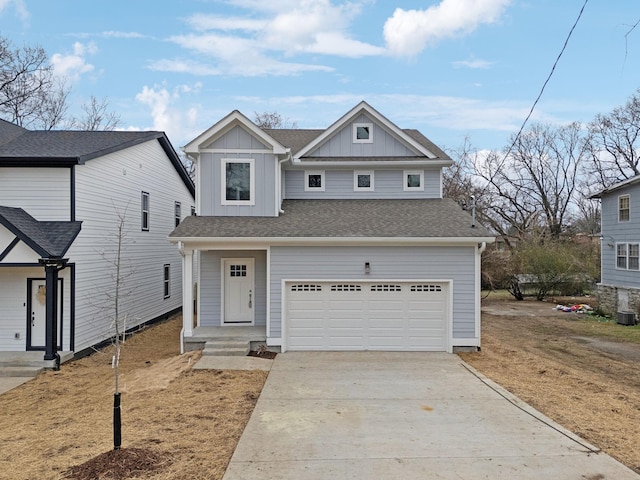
(28, 363)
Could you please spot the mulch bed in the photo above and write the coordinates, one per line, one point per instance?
(119, 465)
(262, 354)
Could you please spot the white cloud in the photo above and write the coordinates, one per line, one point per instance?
(73, 65)
(203, 22)
(166, 110)
(408, 32)
(474, 63)
(18, 5)
(119, 34)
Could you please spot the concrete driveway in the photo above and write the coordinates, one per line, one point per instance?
(366, 415)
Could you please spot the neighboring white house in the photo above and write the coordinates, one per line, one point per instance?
(61, 196)
(333, 239)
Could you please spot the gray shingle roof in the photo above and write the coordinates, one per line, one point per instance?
(297, 139)
(422, 218)
(48, 239)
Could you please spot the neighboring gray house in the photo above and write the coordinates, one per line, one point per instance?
(334, 239)
(60, 196)
(619, 288)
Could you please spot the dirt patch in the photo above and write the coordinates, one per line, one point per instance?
(191, 419)
(572, 368)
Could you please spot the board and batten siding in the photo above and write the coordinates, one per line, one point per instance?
(341, 143)
(14, 315)
(338, 184)
(237, 144)
(105, 188)
(615, 232)
(210, 289)
(44, 193)
(398, 263)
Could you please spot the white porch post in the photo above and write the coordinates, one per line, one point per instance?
(187, 294)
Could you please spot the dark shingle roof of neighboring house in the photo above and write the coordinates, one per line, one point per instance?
(70, 147)
(47, 239)
(297, 139)
(420, 218)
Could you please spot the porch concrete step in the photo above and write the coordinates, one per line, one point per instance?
(226, 347)
(19, 371)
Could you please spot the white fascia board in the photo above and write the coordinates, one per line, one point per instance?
(261, 243)
(371, 164)
(226, 124)
(347, 117)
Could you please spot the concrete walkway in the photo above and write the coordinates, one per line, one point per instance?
(364, 415)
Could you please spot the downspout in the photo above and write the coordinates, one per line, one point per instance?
(181, 250)
(481, 248)
(279, 186)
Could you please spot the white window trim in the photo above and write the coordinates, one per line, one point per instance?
(413, 172)
(307, 188)
(252, 181)
(362, 140)
(627, 256)
(166, 280)
(356, 188)
(620, 197)
(144, 225)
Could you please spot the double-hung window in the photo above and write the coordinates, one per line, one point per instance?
(238, 179)
(176, 212)
(144, 207)
(623, 208)
(166, 281)
(628, 256)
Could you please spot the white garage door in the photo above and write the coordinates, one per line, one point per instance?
(400, 316)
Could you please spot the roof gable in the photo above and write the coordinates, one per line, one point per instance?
(362, 112)
(47, 239)
(227, 124)
(617, 186)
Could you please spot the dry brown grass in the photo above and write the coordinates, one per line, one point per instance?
(193, 418)
(541, 356)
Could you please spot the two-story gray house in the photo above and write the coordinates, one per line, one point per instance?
(62, 196)
(331, 239)
(619, 288)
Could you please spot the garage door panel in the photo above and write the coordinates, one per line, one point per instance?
(367, 316)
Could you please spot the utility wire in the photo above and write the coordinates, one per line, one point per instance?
(546, 81)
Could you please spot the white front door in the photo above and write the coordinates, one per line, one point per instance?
(37, 321)
(239, 291)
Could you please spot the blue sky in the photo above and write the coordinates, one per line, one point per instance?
(450, 68)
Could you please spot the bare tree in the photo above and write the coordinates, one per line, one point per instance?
(615, 143)
(272, 120)
(535, 186)
(96, 116)
(30, 94)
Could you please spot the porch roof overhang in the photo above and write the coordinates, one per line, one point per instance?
(50, 240)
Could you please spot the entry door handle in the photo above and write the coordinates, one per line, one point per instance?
(250, 302)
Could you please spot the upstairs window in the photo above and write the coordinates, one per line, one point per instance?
(193, 210)
(145, 212)
(363, 181)
(413, 180)
(238, 177)
(176, 212)
(623, 208)
(314, 181)
(362, 133)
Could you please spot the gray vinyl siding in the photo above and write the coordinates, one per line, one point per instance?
(210, 288)
(339, 185)
(427, 263)
(210, 170)
(341, 144)
(44, 193)
(236, 138)
(614, 232)
(104, 187)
